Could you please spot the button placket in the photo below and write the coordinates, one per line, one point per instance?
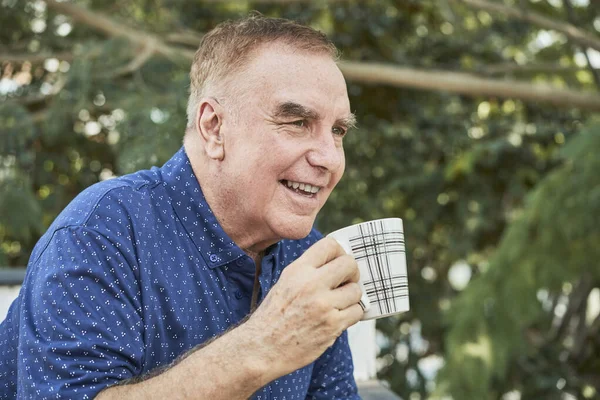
(266, 274)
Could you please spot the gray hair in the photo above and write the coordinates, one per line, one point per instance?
(226, 49)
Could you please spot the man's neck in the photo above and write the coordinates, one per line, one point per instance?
(256, 256)
(252, 241)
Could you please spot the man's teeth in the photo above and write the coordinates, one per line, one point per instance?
(305, 187)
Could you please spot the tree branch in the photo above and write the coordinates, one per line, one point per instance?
(580, 334)
(571, 17)
(595, 327)
(39, 116)
(577, 35)
(112, 28)
(187, 38)
(466, 84)
(135, 64)
(509, 68)
(454, 82)
(34, 58)
(276, 1)
(38, 98)
(577, 300)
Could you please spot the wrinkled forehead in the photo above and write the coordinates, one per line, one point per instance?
(277, 73)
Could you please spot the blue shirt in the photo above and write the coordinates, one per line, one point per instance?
(133, 273)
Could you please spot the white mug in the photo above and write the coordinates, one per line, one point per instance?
(378, 248)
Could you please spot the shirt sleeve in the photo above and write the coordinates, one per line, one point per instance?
(80, 323)
(332, 376)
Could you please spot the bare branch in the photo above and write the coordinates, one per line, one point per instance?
(580, 334)
(32, 100)
(188, 38)
(509, 68)
(595, 327)
(274, 1)
(135, 64)
(577, 300)
(584, 333)
(94, 20)
(571, 17)
(577, 35)
(112, 28)
(366, 72)
(39, 116)
(38, 98)
(466, 84)
(34, 58)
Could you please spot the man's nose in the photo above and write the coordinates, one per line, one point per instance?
(326, 153)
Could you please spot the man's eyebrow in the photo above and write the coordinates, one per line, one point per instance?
(289, 109)
(348, 122)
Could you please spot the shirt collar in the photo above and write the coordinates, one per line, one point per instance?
(190, 205)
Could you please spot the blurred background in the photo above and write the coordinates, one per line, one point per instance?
(476, 126)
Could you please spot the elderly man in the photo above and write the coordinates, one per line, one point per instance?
(203, 279)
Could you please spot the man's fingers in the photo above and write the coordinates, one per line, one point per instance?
(351, 315)
(345, 295)
(322, 252)
(341, 270)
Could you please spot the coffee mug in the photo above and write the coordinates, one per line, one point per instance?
(378, 248)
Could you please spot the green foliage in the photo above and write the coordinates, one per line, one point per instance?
(479, 182)
(553, 241)
(20, 214)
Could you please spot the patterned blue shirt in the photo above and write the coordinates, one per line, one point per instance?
(133, 273)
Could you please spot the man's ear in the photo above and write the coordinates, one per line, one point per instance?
(208, 125)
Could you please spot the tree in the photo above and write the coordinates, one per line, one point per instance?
(463, 108)
(525, 324)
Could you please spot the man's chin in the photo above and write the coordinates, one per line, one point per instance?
(295, 228)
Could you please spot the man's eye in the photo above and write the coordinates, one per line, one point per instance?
(336, 130)
(300, 123)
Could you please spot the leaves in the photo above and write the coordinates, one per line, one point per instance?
(553, 241)
(20, 213)
(508, 189)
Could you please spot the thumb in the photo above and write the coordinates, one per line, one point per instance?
(322, 252)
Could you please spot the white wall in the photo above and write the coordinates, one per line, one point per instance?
(364, 350)
(7, 295)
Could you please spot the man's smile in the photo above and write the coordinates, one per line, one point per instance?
(305, 189)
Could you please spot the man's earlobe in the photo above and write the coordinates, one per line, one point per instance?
(208, 126)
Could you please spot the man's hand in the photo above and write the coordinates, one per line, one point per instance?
(314, 301)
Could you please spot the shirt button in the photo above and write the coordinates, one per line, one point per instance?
(214, 258)
(239, 262)
(238, 294)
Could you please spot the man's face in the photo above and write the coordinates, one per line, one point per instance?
(284, 154)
